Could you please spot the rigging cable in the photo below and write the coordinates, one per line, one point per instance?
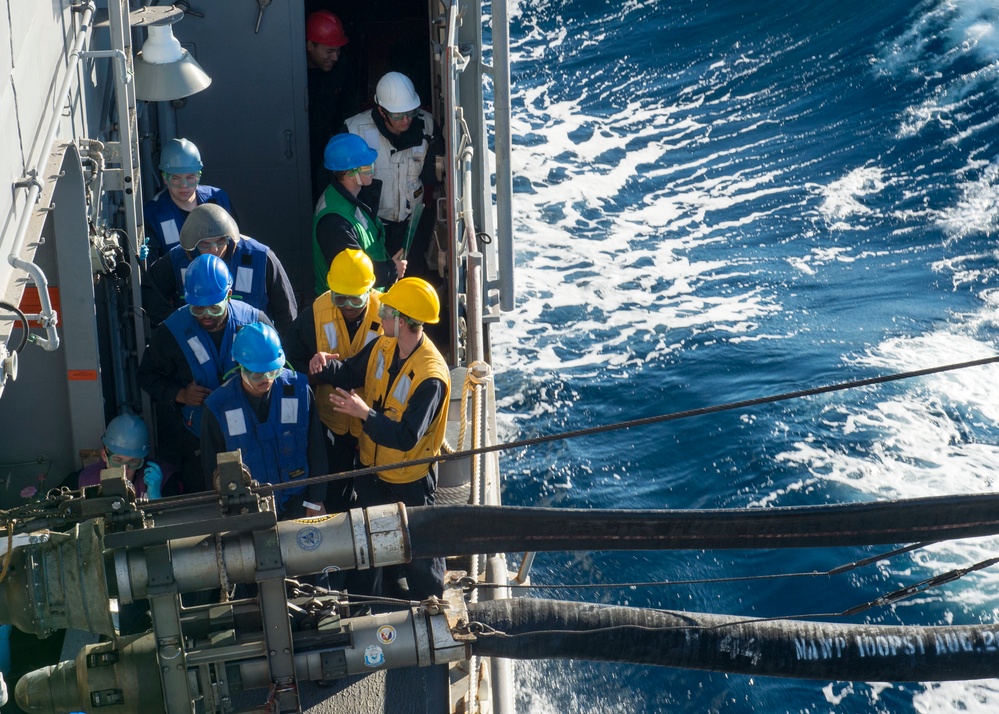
(838, 570)
(673, 416)
(886, 599)
(184, 500)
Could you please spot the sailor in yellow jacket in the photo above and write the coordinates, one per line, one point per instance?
(341, 321)
(403, 412)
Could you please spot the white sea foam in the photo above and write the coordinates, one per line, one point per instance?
(928, 434)
(843, 199)
(638, 273)
(978, 207)
(632, 271)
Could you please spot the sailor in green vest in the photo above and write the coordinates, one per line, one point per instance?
(342, 220)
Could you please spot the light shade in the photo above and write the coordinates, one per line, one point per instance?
(164, 70)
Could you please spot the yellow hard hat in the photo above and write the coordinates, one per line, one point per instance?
(415, 298)
(351, 272)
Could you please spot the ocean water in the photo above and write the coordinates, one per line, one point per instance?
(718, 200)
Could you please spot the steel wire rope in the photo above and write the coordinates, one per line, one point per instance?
(838, 570)
(887, 599)
(644, 421)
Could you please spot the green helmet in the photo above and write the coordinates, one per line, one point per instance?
(207, 221)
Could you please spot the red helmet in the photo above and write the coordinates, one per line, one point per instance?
(325, 28)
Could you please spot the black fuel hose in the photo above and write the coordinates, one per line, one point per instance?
(467, 530)
(24, 323)
(527, 628)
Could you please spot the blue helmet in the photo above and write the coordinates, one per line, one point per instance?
(207, 281)
(180, 156)
(348, 151)
(127, 435)
(257, 348)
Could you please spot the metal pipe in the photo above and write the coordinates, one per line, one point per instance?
(473, 288)
(117, 55)
(501, 669)
(524, 572)
(166, 119)
(361, 539)
(51, 342)
(473, 308)
(501, 137)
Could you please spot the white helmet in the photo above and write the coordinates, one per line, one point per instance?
(395, 93)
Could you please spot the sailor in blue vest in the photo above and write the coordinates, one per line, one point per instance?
(126, 443)
(187, 358)
(269, 414)
(164, 215)
(259, 279)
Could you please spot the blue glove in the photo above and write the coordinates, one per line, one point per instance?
(144, 249)
(153, 478)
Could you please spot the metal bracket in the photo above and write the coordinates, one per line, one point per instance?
(121, 62)
(159, 568)
(454, 609)
(232, 483)
(28, 181)
(113, 180)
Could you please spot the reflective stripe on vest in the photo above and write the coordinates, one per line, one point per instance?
(247, 264)
(276, 450)
(208, 365)
(399, 171)
(425, 363)
(332, 336)
(369, 231)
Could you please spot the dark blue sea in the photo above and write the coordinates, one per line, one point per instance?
(718, 200)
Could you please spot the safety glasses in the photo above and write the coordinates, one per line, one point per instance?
(213, 245)
(385, 312)
(260, 376)
(132, 462)
(350, 301)
(183, 180)
(369, 169)
(399, 116)
(217, 310)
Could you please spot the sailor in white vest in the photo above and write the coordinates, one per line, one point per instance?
(406, 141)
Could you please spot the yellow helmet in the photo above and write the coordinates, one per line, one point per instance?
(351, 272)
(415, 298)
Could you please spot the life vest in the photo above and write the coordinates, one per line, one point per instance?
(248, 265)
(332, 336)
(163, 218)
(275, 451)
(208, 364)
(392, 399)
(369, 231)
(398, 170)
